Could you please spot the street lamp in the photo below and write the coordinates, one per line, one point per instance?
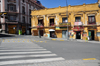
(67, 20)
(39, 29)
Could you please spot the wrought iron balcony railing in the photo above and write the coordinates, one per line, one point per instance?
(89, 23)
(8, 10)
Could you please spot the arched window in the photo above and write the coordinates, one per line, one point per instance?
(11, 7)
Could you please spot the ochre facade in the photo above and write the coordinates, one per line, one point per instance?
(81, 21)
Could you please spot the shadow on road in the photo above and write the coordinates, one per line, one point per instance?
(6, 35)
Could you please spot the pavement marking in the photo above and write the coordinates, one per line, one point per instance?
(37, 41)
(53, 39)
(61, 40)
(8, 41)
(24, 52)
(41, 41)
(23, 56)
(31, 61)
(13, 41)
(89, 59)
(18, 41)
(23, 41)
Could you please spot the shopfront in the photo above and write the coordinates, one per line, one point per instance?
(12, 29)
(78, 29)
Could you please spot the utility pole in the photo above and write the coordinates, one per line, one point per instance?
(67, 20)
(39, 30)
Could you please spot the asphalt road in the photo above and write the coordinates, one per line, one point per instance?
(16, 49)
(73, 49)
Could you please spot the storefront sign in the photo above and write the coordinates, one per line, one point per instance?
(78, 28)
(78, 23)
(65, 24)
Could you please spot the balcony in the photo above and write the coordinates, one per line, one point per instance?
(52, 24)
(13, 1)
(65, 24)
(12, 21)
(8, 10)
(91, 23)
(78, 28)
(40, 26)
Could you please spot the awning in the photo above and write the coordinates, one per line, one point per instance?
(51, 30)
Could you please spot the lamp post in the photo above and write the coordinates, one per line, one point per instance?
(39, 29)
(67, 20)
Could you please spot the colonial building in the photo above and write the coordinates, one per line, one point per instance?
(15, 15)
(80, 22)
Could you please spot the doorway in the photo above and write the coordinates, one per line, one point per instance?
(78, 35)
(91, 34)
(41, 32)
(52, 34)
(64, 32)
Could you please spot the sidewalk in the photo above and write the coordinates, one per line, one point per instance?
(79, 40)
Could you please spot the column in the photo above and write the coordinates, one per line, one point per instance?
(3, 19)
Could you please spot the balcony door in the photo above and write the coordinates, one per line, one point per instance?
(11, 7)
(41, 22)
(91, 20)
(51, 22)
(64, 20)
(77, 19)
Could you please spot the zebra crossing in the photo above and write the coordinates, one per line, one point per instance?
(24, 53)
(20, 40)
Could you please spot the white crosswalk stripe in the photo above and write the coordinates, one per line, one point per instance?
(31, 61)
(23, 53)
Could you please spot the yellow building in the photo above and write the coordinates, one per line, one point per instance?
(80, 21)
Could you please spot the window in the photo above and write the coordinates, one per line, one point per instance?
(91, 18)
(98, 34)
(29, 5)
(23, 0)
(77, 19)
(23, 19)
(11, 7)
(30, 20)
(12, 18)
(64, 20)
(29, 12)
(23, 10)
(51, 22)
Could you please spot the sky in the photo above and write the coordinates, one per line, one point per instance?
(62, 3)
